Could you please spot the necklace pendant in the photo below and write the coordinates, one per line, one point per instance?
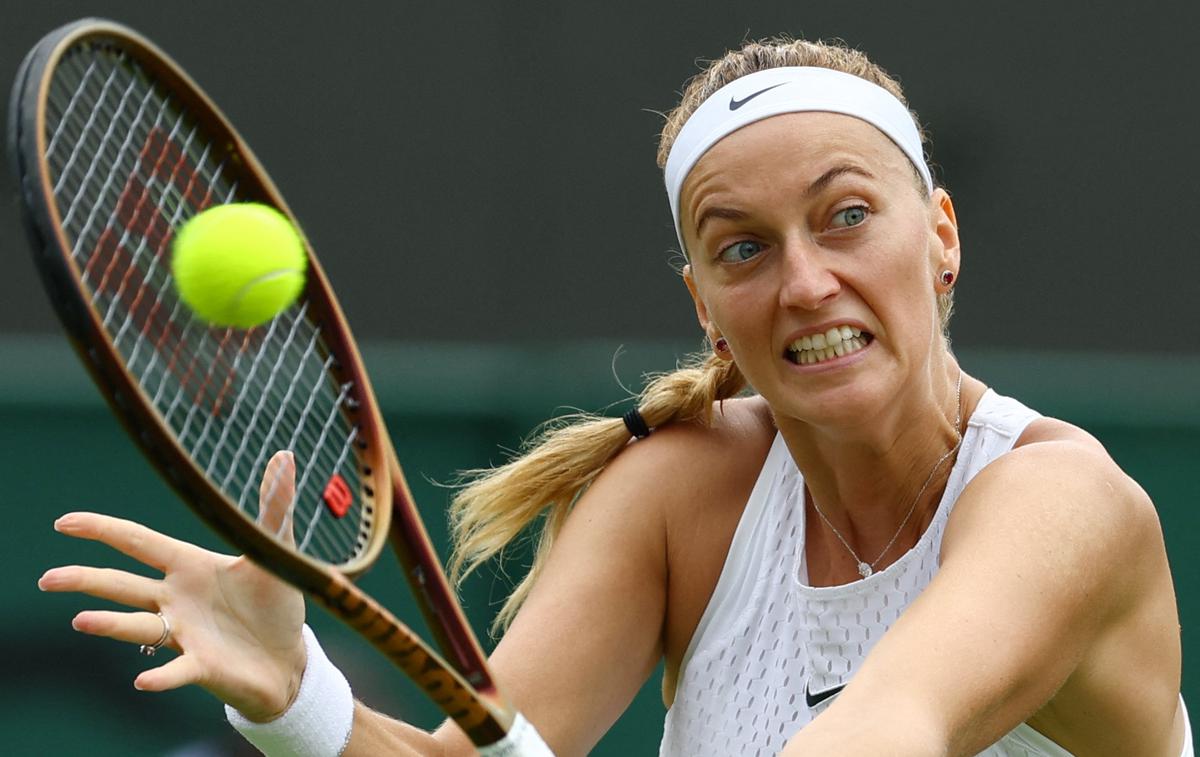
(864, 570)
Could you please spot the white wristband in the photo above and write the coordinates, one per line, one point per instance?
(522, 740)
(318, 722)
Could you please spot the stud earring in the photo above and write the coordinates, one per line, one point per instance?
(721, 345)
(947, 277)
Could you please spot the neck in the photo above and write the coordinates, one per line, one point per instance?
(868, 478)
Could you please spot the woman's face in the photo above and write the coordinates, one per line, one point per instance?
(801, 229)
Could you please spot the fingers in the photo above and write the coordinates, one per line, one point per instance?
(105, 583)
(180, 671)
(141, 543)
(134, 627)
(277, 495)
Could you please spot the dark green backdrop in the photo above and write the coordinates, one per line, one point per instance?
(448, 408)
(481, 174)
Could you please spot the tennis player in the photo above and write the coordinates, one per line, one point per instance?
(870, 553)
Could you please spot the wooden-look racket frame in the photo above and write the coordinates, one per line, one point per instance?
(464, 688)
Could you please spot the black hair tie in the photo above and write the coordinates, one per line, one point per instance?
(636, 424)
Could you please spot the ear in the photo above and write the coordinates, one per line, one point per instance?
(701, 310)
(947, 253)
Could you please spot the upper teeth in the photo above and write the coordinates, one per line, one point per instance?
(837, 341)
(830, 338)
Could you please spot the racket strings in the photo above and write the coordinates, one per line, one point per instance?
(303, 436)
(128, 166)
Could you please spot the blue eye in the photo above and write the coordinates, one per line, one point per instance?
(851, 216)
(739, 251)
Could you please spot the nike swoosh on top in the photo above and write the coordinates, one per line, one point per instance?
(812, 700)
(735, 103)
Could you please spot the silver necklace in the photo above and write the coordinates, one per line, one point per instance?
(866, 569)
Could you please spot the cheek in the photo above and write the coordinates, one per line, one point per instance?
(743, 314)
(901, 288)
(735, 306)
(909, 256)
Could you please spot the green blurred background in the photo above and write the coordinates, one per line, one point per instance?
(63, 693)
(478, 179)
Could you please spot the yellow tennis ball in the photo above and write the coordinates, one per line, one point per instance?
(238, 265)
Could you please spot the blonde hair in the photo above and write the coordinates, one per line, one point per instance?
(546, 480)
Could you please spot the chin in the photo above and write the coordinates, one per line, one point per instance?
(834, 404)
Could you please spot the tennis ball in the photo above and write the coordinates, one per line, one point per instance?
(238, 265)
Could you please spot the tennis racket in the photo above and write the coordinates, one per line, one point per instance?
(115, 147)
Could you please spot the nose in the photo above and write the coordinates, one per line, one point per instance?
(807, 281)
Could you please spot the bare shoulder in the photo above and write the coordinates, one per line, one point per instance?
(680, 474)
(1056, 481)
(1048, 429)
(1057, 470)
(682, 462)
(688, 480)
(733, 420)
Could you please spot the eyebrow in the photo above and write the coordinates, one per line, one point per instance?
(818, 185)
(825, 179)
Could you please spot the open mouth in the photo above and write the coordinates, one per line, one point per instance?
(836, 342)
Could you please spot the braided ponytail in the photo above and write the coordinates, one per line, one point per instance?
(556, 468)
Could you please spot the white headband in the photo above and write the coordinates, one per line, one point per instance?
(791, 89)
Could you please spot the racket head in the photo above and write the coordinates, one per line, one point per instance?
(115, 147)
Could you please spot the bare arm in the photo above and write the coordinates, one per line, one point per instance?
(1035, 572)
(589, 634)
(586, 639)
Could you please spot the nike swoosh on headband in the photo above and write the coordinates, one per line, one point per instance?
(812, 700)
(735, 103)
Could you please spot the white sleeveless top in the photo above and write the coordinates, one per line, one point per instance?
(768, 644)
